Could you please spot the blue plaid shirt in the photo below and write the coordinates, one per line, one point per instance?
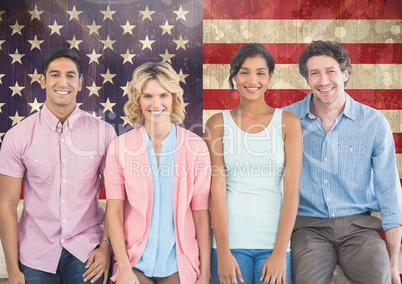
(351, 169)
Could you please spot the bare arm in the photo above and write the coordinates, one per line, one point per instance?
(227, 264)
(105, 232)
(202, 223)
(115, 219)
(10, 191)
(292, 136)
(393, 240)
(293, 164)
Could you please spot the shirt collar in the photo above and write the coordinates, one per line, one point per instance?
(169, 137)
(305, 107)
(52, 121)
(73, 117)
(349, 110)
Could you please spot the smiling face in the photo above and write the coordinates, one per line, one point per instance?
(253, 78)
(326, 80)
(62, 83)
(156, 103)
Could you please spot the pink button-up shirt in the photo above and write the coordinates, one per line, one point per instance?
(128, 178)
(60, 166)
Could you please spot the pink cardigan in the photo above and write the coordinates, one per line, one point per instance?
(128, 177)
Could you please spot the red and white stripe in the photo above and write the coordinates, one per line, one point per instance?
(370, 30)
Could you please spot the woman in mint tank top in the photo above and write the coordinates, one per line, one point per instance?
(256, 156)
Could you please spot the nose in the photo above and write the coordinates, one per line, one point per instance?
(62, 80)
(323, 79)
(156, 101)
(252, 78)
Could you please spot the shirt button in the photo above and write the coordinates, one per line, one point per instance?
(327, 199)
(351, 148)
(64, 220)
(64, 160)
(63, 201)
(62, 140)
(64, 180)
(325, 181)
(325, 159)
(62, 240)
(333, 215)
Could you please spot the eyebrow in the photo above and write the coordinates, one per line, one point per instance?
(156, 94)
(325, 68)
(58, 71)
(262, 68)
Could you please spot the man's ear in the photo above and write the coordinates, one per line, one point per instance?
(346, 72)
(42, 80)
(81, 82)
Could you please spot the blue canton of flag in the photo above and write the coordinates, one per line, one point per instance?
(112, 38)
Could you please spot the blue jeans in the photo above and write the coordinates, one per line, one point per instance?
(251, 262)
(69, 271)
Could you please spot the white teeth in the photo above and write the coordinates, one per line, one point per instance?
(156, 111)
(61, 93)
(325, 90)
(252, 89)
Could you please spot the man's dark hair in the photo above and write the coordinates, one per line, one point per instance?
(330, 48)
(59, 52)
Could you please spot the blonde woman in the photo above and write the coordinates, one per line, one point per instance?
(158, 186)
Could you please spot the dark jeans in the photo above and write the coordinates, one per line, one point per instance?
(69, 271)
(352, 242)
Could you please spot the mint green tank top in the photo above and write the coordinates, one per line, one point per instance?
(254, 183)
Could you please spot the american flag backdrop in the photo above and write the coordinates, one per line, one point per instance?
(112, 38)
(198, 37)
(370, 29)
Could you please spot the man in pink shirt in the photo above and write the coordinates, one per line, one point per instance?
(58, 154)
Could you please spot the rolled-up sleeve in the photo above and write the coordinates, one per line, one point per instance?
(202, 178)
(10, 156)
(114, 173)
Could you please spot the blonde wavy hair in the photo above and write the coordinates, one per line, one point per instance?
(169, 80)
